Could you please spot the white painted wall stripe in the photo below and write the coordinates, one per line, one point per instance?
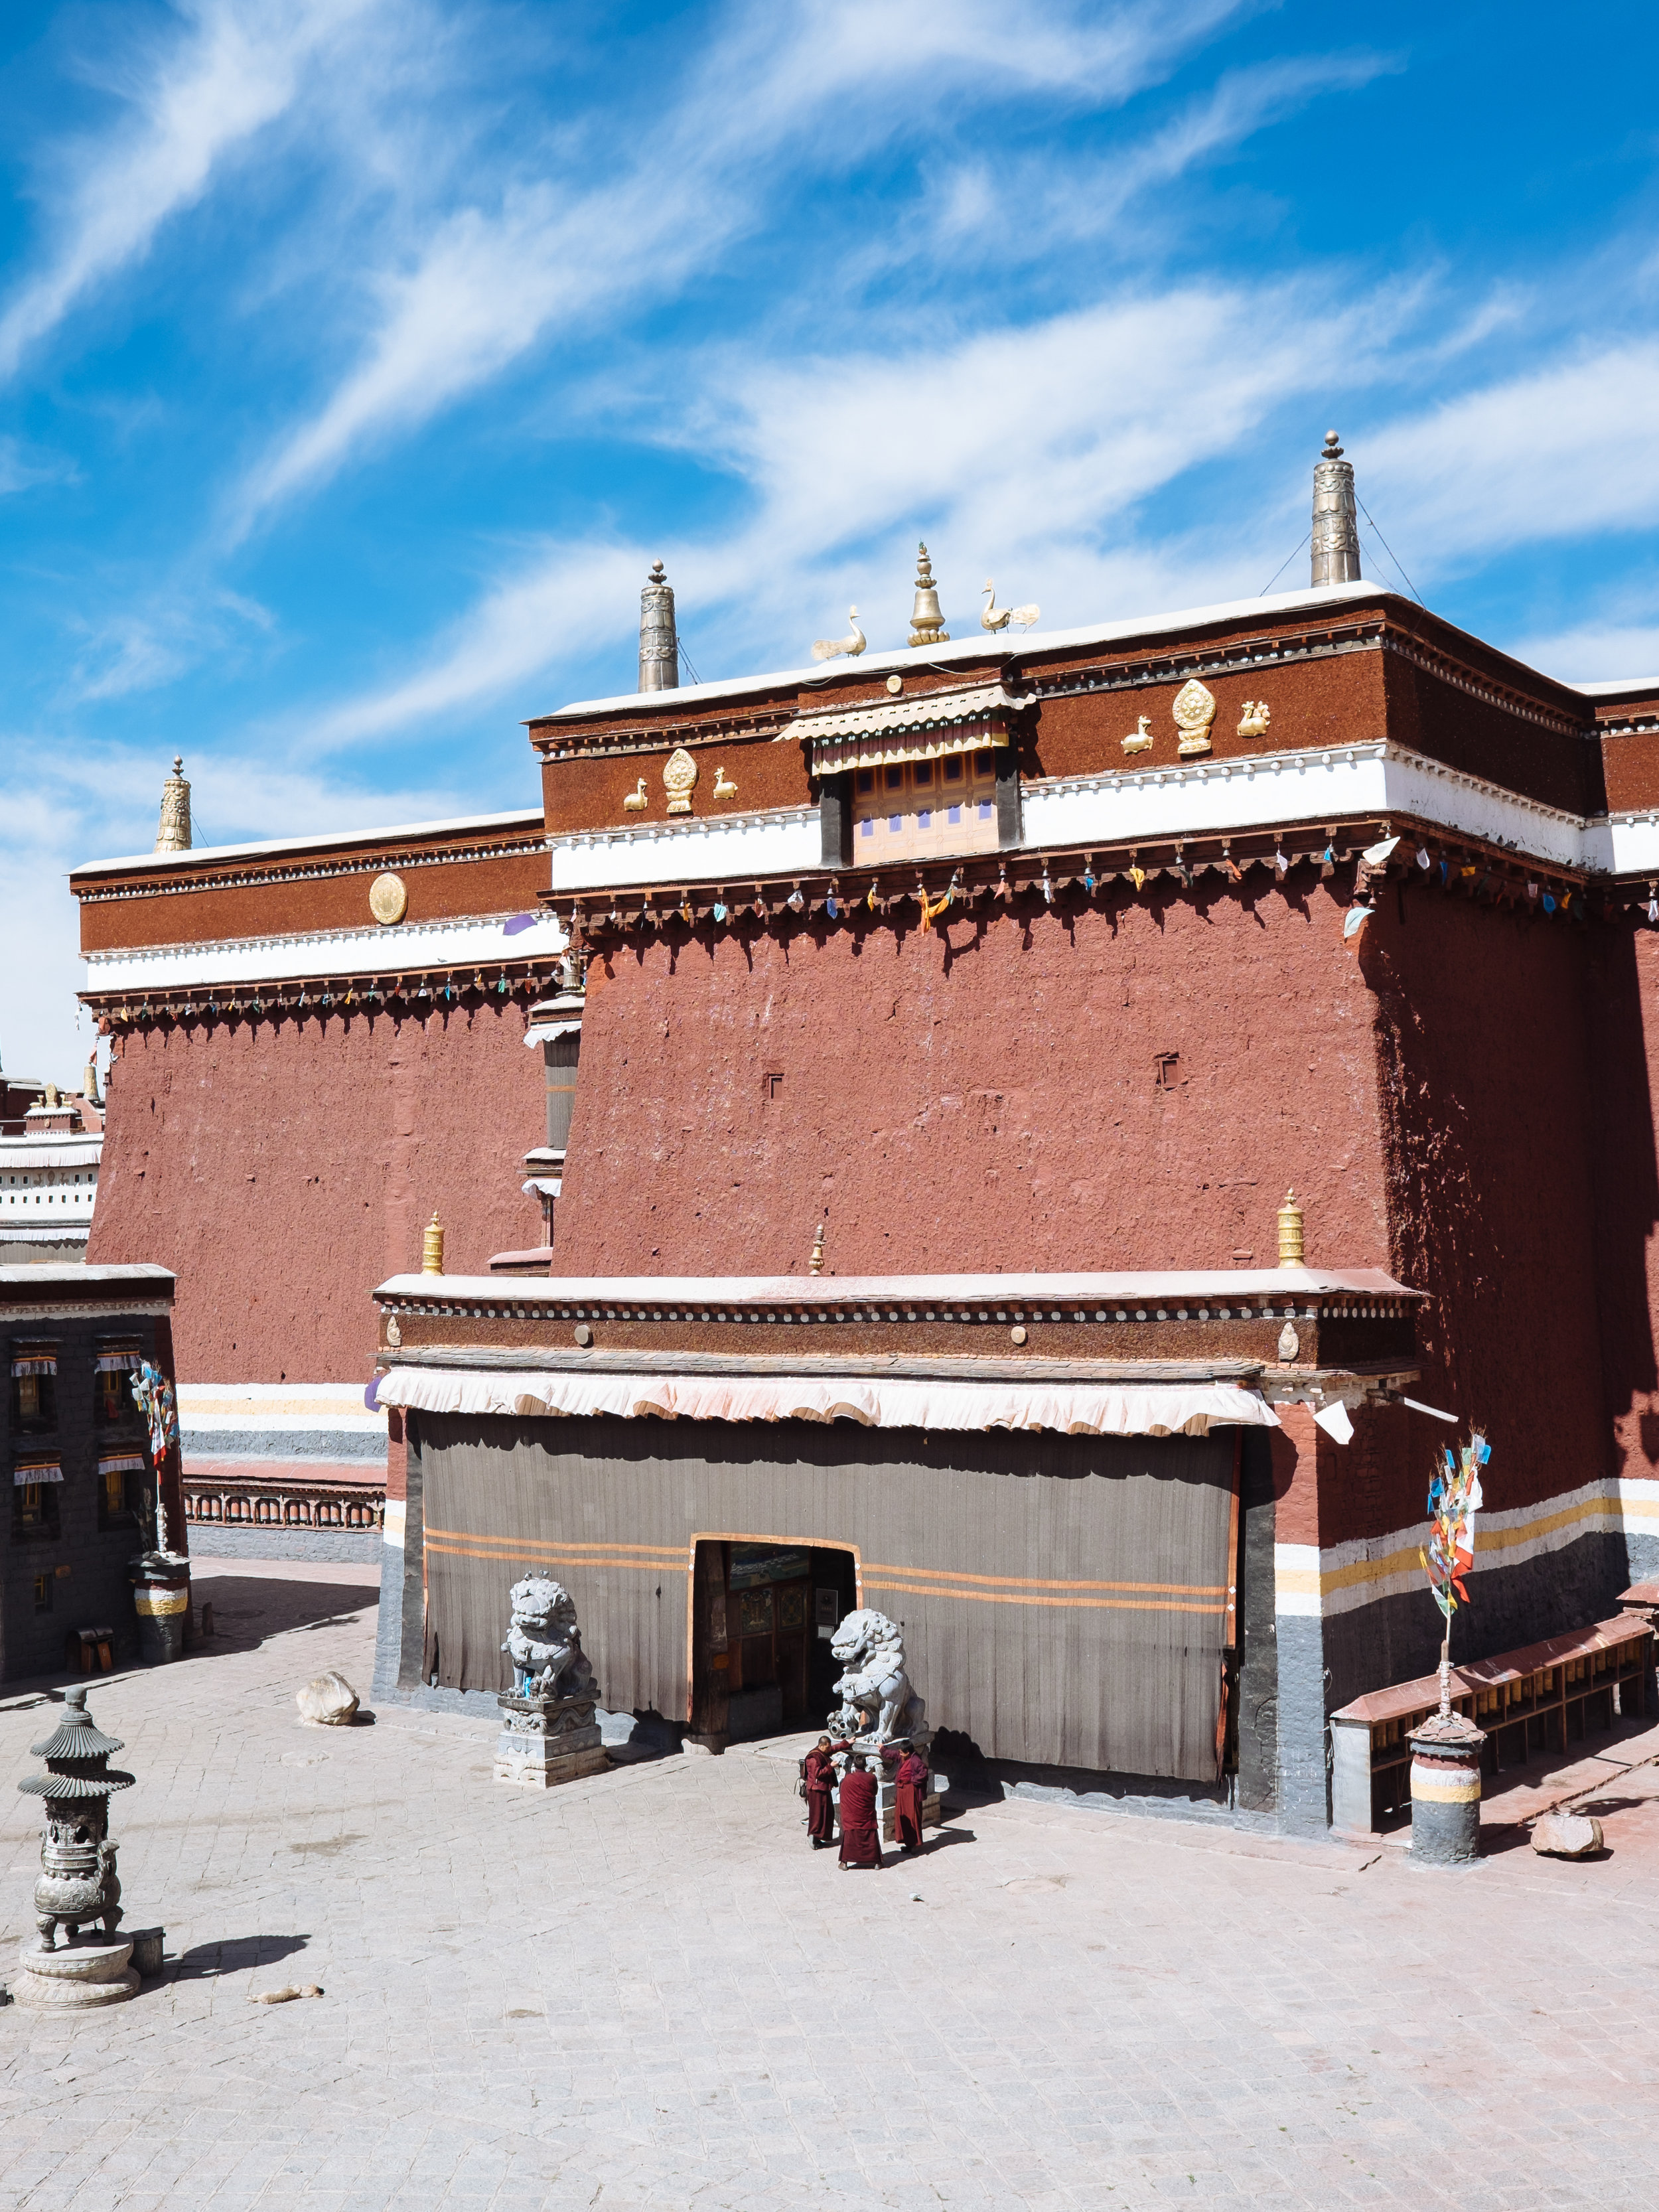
(409, 947)
(1311, 1584)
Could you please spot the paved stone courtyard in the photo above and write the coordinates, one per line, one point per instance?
(644, 1990)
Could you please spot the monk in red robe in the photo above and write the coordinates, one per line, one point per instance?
(909, 1788)
(860, 1839)
(818, 1771)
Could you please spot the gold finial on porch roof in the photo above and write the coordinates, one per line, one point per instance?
(815, 1264)
(432, 1248)
(1290, 1232)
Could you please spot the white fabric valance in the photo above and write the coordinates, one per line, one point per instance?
(45, 1470)
(125, 1462)
(118, 1362)
(35, 1363)
(1152, 1409)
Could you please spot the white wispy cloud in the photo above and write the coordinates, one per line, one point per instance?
(549, 256)
(1566, 449)
(191, 102)
(1031, 450)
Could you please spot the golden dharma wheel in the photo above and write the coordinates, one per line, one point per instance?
(388, 899)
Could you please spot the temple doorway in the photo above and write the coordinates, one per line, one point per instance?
(763, 1614)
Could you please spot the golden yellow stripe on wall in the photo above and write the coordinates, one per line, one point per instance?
(1034, 1597)
(1309, 1582)
(539, 1544)
(504, 1548)
(946, 1577)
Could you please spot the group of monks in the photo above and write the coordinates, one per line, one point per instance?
(861, 1836)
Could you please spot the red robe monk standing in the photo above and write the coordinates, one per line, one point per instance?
(909, 1788)
(860, 1840)
(818, 1771)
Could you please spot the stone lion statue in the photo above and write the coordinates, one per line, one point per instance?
(874, 1684)
(544, 1644)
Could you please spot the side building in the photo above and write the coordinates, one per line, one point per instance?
(317, 1044)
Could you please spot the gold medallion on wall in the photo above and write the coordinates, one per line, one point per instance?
(679, 777)
(388, 900)
(1194, 711)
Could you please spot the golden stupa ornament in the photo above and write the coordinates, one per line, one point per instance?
(927, 621)
(679, 777)
(172, 836)
(815, 1264)
(432, 1248)
(1290, 1232)
(1194, 711)
(388, 900)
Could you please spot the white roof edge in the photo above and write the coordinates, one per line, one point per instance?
(988, 648)
(830, 1289)
(1629, 684)
(271, 845)
(139, 1271)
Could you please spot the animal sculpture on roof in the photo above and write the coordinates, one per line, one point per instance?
(995, 618)
(832, 648)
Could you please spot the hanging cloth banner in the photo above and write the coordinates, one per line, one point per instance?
(118, 1362)
(125, 1462)
(1355, 921)
(1455, 1499)
(34, 1362)
(153, 1396)
(43, 1470)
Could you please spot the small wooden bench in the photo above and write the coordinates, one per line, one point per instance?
(1528, 1701)
(93, 1648)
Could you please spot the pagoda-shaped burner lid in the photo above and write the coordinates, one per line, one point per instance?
(76, 1752)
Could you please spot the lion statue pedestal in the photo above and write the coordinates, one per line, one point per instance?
(549, 1733)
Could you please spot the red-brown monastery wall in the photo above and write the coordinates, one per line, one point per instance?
(281, 1170)
(1486, 1055)
(990, 1096)
(268, 906)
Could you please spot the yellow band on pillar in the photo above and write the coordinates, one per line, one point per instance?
(1446, 1785)
(160, 1604)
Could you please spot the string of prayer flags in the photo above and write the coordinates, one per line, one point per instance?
(1455, 1499)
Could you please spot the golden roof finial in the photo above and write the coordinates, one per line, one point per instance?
(172, 834)
(926, 622)
(815, 1264)
(432, 1247)
(1290, 1232)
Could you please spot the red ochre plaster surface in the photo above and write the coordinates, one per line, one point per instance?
(1498, 1131)
(282, 1170)
(985, 1098)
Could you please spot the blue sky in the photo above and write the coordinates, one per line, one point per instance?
(356, 357)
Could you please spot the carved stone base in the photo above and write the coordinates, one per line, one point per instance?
(547, 1741)
(87, 1970)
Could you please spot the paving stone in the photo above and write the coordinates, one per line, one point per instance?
(714, 2019)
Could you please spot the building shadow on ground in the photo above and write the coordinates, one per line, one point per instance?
(238, 1954)
(248, 1609)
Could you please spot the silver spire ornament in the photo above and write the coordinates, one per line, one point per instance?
(1335, 531)
(173, 834)
(926, 622)
(660, 644)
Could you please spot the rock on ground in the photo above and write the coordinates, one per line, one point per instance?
(1565, 1835)
(329, 1702)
